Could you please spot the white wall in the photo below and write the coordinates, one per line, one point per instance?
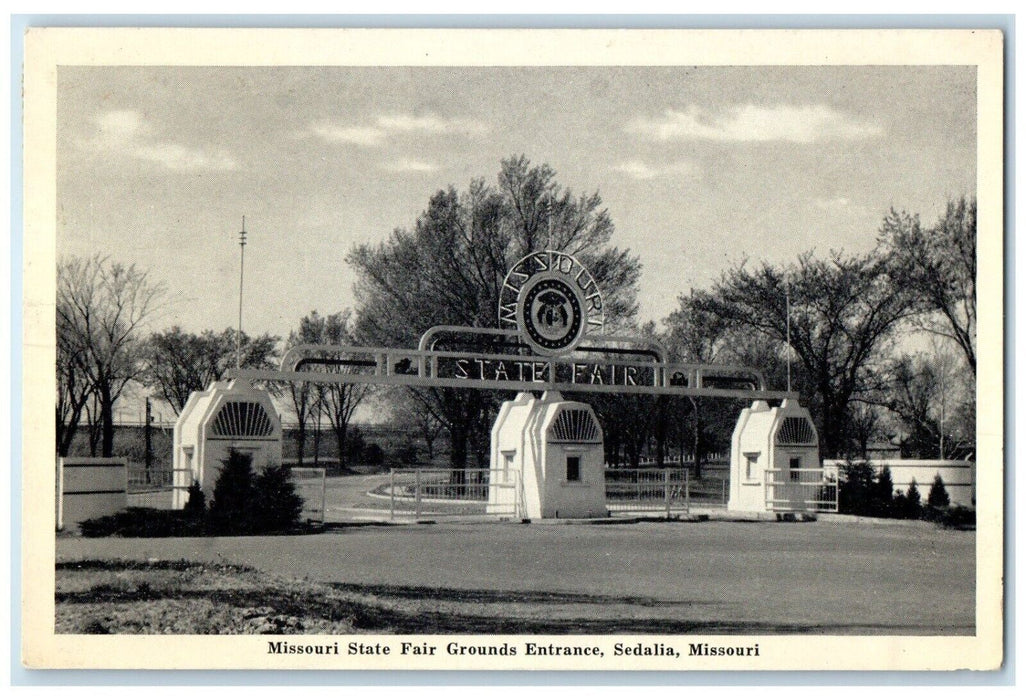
(90, 488)
(959, 476)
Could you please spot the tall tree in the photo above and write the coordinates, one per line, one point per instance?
(693, 334)
(842, 311)
(178, 363)
(931, 404)
(103, 305)
(939, 265)
(449, 269)
(409, 414)
(73, 386)
(337, 402)
(303, 394)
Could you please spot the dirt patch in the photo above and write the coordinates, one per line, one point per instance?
(104, 597)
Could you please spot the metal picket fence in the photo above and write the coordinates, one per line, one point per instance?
(441, 493)
(155, 487)
(665, 490)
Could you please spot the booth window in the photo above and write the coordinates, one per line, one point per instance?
(573, 468)
(507, 464)
(751, 459)
(796, 465)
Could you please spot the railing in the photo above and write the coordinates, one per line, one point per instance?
(421, 493)
(802, 490)
(312, 486)
(155, 488)
(666, 490)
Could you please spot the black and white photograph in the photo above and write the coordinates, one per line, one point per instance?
(513, 350)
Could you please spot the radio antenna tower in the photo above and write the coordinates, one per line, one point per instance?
(242, 266)
(548, 210)
(787, 313)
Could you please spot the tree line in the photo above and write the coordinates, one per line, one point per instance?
(882, 344)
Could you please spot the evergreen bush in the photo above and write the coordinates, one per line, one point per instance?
(276, 505)
(856, 488)
(883, 495)
(913, 505)
(938, 497)
(231, 511)
(196, 505)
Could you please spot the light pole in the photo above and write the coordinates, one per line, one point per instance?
(242, 266)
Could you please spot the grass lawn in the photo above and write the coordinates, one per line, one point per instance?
(652, 577)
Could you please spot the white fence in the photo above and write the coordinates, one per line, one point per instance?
(665, 490)
(155, 488)
(802, 490)
(311, 486)
(442, 493)
(445, 493)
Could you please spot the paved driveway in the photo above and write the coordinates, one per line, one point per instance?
(716, 576)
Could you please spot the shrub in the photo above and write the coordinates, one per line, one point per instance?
(862, 492)
(276, 505)
(196, 505)
(142, 522)
(909, 505)
(231, 511)
(938, 497)
(855, 488)
(958, 518)
(882, 504)
(373, 455)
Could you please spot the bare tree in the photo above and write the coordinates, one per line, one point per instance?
(73, 386)
(939, 265)
(104, 305)
(411, 409)
(338, 402)
(843, 310)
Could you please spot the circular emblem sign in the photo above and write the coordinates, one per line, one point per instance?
(552, 301)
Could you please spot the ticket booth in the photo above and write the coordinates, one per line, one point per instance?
(774, 460)
(550, 452)
(228, 415)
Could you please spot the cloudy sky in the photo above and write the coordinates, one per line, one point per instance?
(699, 167)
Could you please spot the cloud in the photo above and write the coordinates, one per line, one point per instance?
(384, 126)
(431, 124)
(643, 171)
(831, 203)
(121, 125)
(407, 165)
(789, 123)
(359, 135)
(127, 133)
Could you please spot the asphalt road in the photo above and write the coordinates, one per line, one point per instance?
(836, 578)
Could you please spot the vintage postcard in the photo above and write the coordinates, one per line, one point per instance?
(619, 350)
